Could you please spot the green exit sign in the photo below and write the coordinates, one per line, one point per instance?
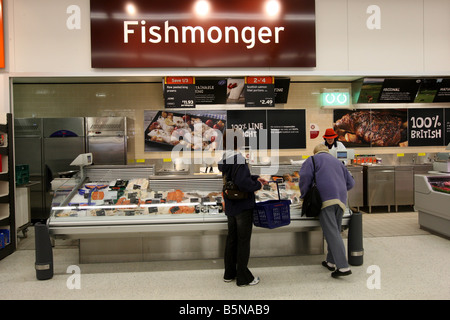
(337, 98)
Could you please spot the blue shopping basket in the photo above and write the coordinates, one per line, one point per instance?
(272, 213)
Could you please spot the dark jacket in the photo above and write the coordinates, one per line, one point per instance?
(243, 179)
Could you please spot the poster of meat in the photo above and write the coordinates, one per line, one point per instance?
(371, 128)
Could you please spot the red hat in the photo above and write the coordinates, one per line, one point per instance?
(330, 134)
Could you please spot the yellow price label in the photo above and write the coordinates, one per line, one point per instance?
(167, 160)
(400, 154)
(422, 154)
(140, 160)
(305, 157)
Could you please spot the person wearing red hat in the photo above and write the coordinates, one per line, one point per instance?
(331, 142)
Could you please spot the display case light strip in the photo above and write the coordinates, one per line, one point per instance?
(189, 204)
(133, 206)
(126, 206)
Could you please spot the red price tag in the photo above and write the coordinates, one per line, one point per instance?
(179, 80)
(259, 80)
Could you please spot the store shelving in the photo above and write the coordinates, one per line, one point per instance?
(7, 199)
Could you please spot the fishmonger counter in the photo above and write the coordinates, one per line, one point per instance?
(127, 213)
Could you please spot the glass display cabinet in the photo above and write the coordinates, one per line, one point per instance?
(127, 213)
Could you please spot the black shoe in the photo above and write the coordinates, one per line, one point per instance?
(325, 264)
(338, 273)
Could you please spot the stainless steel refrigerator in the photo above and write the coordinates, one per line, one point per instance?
(107, 139)
(28, 139)
(63, 141)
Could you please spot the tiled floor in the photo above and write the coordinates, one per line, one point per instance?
(411, 263)
(391, 224)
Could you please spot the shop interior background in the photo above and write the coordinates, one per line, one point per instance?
(42, 100)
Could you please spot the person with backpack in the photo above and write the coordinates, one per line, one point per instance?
(333, 181)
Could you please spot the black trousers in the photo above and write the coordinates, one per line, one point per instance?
(237, 248)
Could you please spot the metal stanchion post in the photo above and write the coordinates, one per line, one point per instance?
(44, 253)
(355, 240)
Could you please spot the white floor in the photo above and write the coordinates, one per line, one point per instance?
(402, 262)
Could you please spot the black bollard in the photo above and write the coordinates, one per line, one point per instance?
(44, 253)
(355, 240)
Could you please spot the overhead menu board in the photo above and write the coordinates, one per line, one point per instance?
(281, 89)
(210, 91)
(187, 92)
(443, 91)
(399, 90)
(259, 92)
(179, 92)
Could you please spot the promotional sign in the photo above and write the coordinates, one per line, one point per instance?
(179, 92)
(290, 125)
(281, 89)
(283, 129)
(259, 92)
(250, 122)
(380, 90)
(427, 91)
(443, 92)
(399, 90)
(210, 91)
(222, 33)
(371, 128)
(425, 127)
(370, 90)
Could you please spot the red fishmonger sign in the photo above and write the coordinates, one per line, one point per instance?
(202, 33)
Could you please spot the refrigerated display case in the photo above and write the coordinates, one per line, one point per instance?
(432, 201)
(126, 213)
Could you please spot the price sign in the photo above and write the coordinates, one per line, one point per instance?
(425, 127)
(179, 92)
(259, 91)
